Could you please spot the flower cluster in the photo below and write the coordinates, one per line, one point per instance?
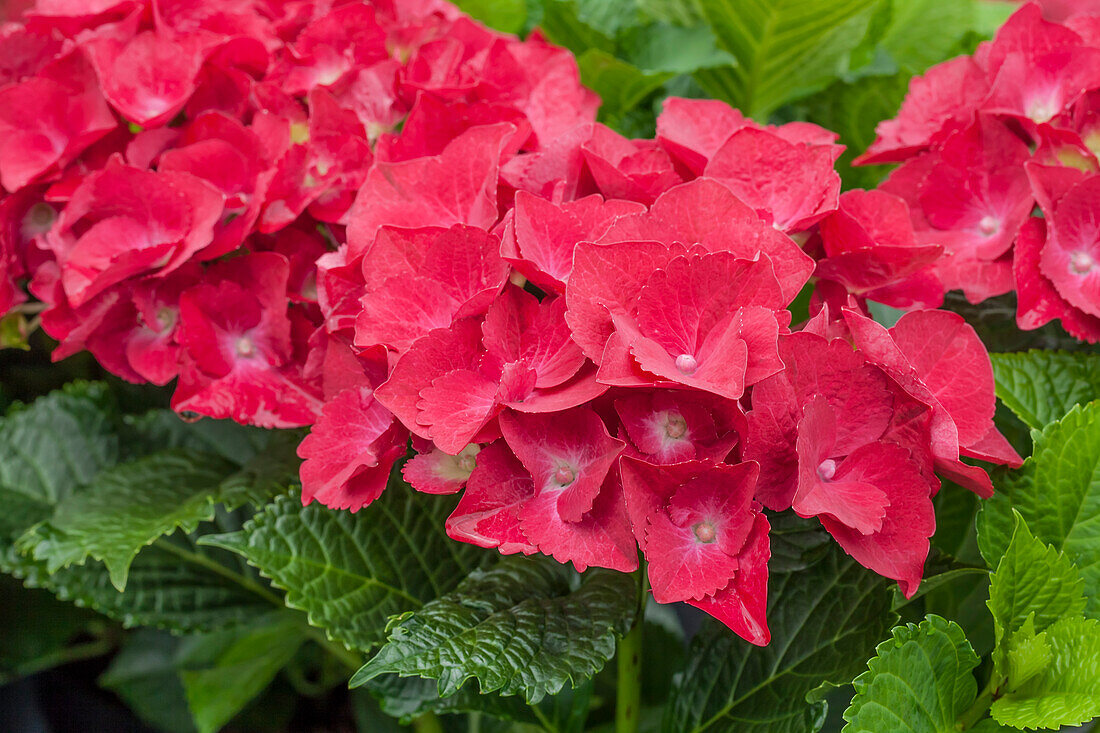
(985, 138)
(388, 222)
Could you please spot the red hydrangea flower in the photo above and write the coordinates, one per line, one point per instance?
(704, 538)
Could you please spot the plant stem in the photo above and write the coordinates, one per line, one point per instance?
(427, 723)
(628, 697)
(977, 711)
(196, 558)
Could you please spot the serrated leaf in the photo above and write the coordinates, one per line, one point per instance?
(1042, 386)
(58, 443)
(919, 681)
(1033, 581)
(1067, 691)
(785, 49)
(1057, 493)
(407, 698)
(126, 508)
(171, 585)
(351, 572)
(825, 621)
(519, 627)
(241, 672)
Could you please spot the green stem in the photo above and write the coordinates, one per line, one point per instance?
(68, 655)
(427, 723)
(628, 697)
(977, 711)
(217, 568)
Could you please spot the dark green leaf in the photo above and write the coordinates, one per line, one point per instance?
(217, 693)
(145, 675)
(1042, 386)
(825, 621)
(919, 681)
(351, 572)
(126, 508)
(620, 85)
(518, 628)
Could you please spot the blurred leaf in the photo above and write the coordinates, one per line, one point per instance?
(144, 674)
(785, 49)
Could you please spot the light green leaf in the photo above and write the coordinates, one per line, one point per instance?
(925, 32)
(519, 627)
(1057, 492)
(661, 47)
(1042, 386)
(126, 508)
(504, 15)
(1067, 691)
(241, 672)
(1033, 581)
(350, 572)
(620, 85)
(919, 681)
(1028, 653)
(825, 621)
(785, 49)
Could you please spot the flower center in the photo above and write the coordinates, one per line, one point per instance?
(166, 318)
(467, 462)
(245, 347)
(1082, 262)
(705, 532)
(1041, 110)
(686, 363)
(988, 225)
(827, 469)
(564, 476)
(38, 220)
(676, 427)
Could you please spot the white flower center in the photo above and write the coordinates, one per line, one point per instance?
(687, 364)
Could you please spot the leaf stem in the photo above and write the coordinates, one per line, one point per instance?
(428, 723)
(628, 697)
(217, 568)
(977, 711)
(74, 653)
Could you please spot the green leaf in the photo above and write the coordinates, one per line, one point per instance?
(351, 571)
(519, 627)
(919, 681)
(1033, 581)
(407, 698)
(925, 32)
(1067, 691)
(1057, 493)
(145, 675)
(241, 672)
(504, 15)
(825, 621)
(1042, 386)
(1028, 653)
(620, 85)
(172, 585)
(126, 508)
(59, 443)
(785, 49)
